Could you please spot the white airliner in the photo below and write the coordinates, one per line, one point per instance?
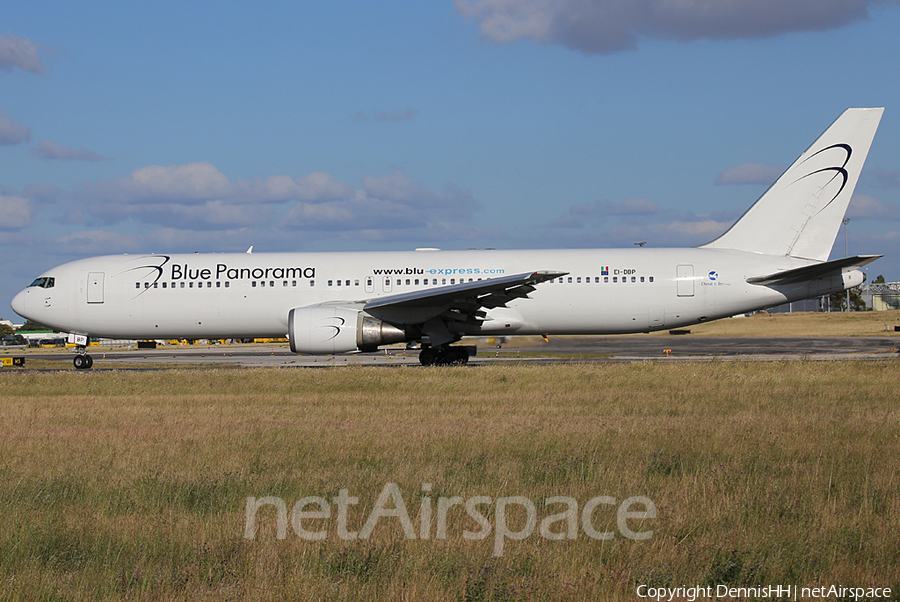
(330, 303)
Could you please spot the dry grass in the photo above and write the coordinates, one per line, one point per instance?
(860, 324)
(133, 485)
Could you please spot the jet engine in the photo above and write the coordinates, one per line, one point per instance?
(325, 329)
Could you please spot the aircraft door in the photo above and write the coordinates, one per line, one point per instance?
(370, 284)
(386, 284)
(95, 287)
(685, 280)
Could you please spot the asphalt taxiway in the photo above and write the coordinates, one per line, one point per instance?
(559, 350)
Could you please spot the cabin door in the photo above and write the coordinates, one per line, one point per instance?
(685, 280)
(95, 287)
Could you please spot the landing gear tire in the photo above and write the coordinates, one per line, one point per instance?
(428, 356)
(456, 356)
(447, 356)
(83, 362)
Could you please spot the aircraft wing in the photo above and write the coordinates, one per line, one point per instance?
(435, 308)
(812, 272)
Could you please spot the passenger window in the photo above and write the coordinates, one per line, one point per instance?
(330, 282)
(226, 284)
(633, 279)
(642, 278)
(136, 285)
(253, 284)
(578, 280)
(312, 282)
(164, 285)
(570, 280)
(338, 282)
(651, 278)
(417, 281)
(182, 285)
(615, 278)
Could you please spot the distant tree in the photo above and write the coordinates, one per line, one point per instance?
(6, 329)
(879, 280)
(31, 326)
(838, 301)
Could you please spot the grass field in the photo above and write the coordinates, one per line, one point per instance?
(123, 485)
(807, 324)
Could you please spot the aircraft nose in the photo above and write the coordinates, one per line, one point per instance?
(18, 304)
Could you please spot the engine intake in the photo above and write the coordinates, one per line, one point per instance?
(324, 330)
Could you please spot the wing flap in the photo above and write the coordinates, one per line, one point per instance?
(462, 300)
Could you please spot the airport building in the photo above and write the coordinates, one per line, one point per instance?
(881, 296)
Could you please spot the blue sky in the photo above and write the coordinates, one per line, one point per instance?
(182, 127)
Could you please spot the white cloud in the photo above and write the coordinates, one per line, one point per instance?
(189, 183)
(197, 196)
(389, 202)
(50, 150)
(16, 52)
(13, 131)
(605, 26)
(95, 242)
(863, 206)
(749, 173)
(583, 215)
(887, 178)
(315, 187)
(15, 212)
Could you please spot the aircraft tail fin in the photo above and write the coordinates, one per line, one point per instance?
(801, 213)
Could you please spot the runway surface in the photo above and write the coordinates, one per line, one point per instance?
(560, 350)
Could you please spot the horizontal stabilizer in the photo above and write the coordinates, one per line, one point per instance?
(815, 271)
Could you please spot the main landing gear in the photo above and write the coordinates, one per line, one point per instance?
(444, 356)
(82, 360)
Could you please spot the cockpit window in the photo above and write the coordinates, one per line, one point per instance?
(44, 282)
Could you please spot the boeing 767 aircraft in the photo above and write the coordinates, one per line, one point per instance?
(346, 302)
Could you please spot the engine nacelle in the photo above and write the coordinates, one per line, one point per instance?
(324, 330)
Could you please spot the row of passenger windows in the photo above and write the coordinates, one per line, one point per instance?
(587, 279)
(227, 284)
(369, 282)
